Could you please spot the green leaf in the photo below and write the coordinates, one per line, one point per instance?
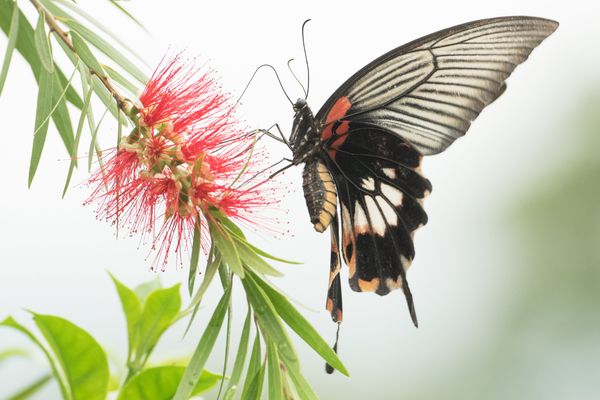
(42, 44)
(203, 350)
(274, 372)
(26, 46)
(44, 106)
(300, 325)
(9, 353)
(133, 90)
(143, 290)
(94, 143)
(255, 262)
(12, 41)
(251, 383)
(240, 358)
(132, 308)
(160, 383)
(73, 163)
(32, 388)
(127, 13)
(195, 257)
(303, 388)
(62, 384)
(159, 313)
(227, 248)
(82, 360)
(86, 55)
(108, 50)
(269, 256)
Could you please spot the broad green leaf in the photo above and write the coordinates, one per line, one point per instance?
(42, 43)
(108, 50)
(300, 325)
(132, 308)
(160, 383)
(31, 389)
(12, 41)
(159, 313)
(240, 358)
(26, 46)
(44, 106)
(253, 372)
(227, 248)
(60, 378)
(86, 55)
(205, 345)
(80, 357)
(143, 290)
(274, 373)
(195, 256)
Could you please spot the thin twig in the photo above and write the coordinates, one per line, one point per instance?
(123, 103)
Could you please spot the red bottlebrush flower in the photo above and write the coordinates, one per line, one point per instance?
(183, 158)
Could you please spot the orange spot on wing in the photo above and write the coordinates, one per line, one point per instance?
(339, 109)
(368, 286)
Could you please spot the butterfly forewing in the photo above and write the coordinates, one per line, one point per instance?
(430, 90)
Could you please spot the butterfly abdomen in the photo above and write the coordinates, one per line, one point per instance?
(320, 194)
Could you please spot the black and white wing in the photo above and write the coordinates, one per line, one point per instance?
(428, 91)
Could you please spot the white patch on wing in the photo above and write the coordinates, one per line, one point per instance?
(392, 284)
(377, 222)
(388, 212)
(368, 184)
(393, 194)
(361, 222)
(390, 172)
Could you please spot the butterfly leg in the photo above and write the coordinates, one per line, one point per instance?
(267, 132)
(334, 294)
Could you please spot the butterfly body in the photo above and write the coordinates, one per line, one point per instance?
(363, 149)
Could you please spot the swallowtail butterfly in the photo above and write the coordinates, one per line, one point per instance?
(363, 149)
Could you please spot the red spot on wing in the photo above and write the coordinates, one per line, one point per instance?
(339, 109)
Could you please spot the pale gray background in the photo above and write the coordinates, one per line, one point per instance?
(54, 254)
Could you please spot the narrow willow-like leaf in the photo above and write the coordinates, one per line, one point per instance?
(109, 51)
(195, 256)
(60, 378)
(255, 262)
(256, 386)
(303, 388)
(94, 143)
(127, 13)
(73, 163)
(274, 373)
(81, 358)
(32, 388)
(253, 370)
(240, 358)
(44, 106)
(214, 262)
(42, 43)
(131, 90)
(268, 319)
(26, 46)
(132, 308)
(158, 314)
(76, 9)
(86, 55)
(13, 33)
(159, 383)
(227, 247)
(300, 325)
(203, 350)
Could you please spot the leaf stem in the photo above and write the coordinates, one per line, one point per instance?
(124, 104)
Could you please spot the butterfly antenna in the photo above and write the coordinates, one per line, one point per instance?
(306, 60)
(289, 64)
(252, 78)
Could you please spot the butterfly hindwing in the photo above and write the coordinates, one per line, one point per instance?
(381, 191)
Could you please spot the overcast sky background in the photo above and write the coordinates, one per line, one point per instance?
(54, 254)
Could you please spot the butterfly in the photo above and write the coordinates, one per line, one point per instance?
(362, 151)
